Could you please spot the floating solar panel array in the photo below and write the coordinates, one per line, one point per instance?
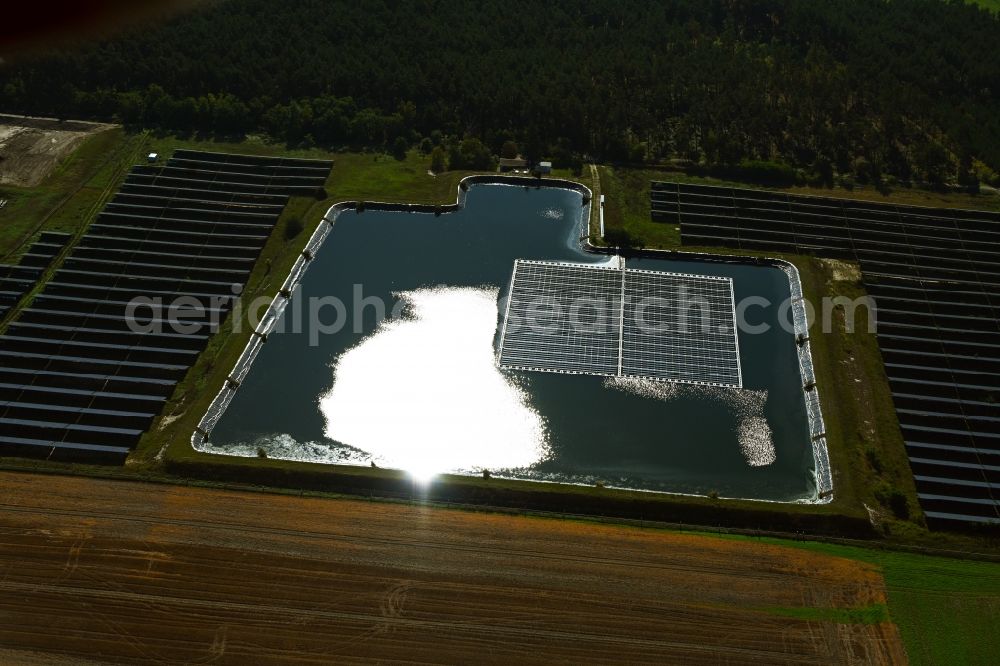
(604, 320)
(935, 276)
(78, 380)
(680, 328)
(563, 318)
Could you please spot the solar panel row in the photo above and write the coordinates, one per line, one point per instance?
(600, 320)
(935, 276)
(16, 280)
(81, 374)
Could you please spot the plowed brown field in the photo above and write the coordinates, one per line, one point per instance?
(95, 570)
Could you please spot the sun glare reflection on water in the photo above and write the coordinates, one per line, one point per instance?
(452, 409)
(753, 431)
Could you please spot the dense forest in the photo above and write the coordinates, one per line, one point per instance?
(862, 90)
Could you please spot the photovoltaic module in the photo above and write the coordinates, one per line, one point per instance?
(604, 320)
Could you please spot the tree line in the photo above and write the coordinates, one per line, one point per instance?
(848, 90)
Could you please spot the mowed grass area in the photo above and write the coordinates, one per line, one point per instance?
(864, 442)
(872, 614)
(69, 196)
(947, 610)
(355, 176)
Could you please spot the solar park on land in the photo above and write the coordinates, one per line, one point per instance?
(76, 383)
(935, 278)
(604, 320)
(18, 279)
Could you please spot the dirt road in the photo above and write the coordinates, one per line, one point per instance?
(125, 572)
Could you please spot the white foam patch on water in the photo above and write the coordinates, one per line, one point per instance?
(752, 429)
(756, 442)
(552, 213)
(286, 447)
(424, 394)
(755, 435)
(647, 388)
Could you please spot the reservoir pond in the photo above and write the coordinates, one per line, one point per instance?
(402, 370)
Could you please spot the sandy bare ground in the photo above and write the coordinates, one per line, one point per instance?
(112, 571)
(843, 270)
(31, 147)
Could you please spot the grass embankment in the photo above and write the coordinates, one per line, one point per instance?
(866, 447)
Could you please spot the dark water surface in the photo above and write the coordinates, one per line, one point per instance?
(422, 391)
